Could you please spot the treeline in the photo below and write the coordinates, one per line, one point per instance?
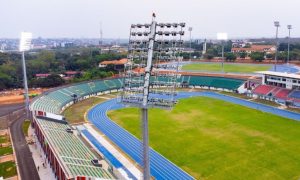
(57, 62)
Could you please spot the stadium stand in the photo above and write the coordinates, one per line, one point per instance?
(69, 157)
(263, 89)
(216, 82)
(295, 94)
(55, 101)
(282, 94)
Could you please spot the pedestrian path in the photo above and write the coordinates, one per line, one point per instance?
(39, 157)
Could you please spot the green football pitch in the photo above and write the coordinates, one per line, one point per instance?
(216, 67)
(214, 139)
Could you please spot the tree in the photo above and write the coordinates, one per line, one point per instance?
(270, 56)
(242, 55)
(230, 56)
(257, 56)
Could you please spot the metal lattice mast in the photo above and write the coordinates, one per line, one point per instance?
(151, 74)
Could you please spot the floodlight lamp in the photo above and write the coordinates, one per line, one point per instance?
(175, 25)
(139, 25)
(190, 28)
(161, 25)
(276, 23)
(166, 33)
(289, 26)
(25, 41)
(168, 25)
(133, 25)
(222, 36)
(182, 25)
(160, 33)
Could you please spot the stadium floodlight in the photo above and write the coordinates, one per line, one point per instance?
(190, 30)
(146, 82)
(289, 39)
(277, 25)
(223, 37)
(25, 44)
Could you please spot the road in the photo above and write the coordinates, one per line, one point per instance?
(26, 164)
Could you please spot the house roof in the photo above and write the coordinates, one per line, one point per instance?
(42, 75)
(72, 72)
(115, 62)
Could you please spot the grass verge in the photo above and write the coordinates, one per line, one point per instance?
(8, 169)
(75, 113)
(6, 150)
(25, 127)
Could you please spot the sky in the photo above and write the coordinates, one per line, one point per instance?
(82, 18)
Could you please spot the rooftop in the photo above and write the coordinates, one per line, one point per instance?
(281, 74)
(115, 62)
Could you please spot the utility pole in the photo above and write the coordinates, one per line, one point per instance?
(289, 39)
(277, 25)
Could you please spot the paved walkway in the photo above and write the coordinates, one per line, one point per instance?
(39, 157)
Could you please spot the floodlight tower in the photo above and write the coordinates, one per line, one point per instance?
(223, 37)
(190, 30)
(25, 44)
(289, 39)
(145, 84)
(277, 25)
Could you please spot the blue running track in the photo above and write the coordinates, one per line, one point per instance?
(160, 167)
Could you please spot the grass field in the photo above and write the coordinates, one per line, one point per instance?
(6, 150)
(213, 139)
(8, 169)
(75, 113)
(25, 126)
(216, 67)
(4, 139)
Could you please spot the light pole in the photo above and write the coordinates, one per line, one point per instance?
(277, 25)
(223, 37)
(149, 44)
(190, 30)
(288, 56)
(25, 44)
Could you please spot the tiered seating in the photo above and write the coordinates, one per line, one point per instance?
(263, 89)
(295, 94)
(282, 93)
(217, 82)
(71, 151)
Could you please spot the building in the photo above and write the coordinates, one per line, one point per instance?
(280, 87)
(67, 155)
(255, 48)
(279, 79)
(71, 74)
